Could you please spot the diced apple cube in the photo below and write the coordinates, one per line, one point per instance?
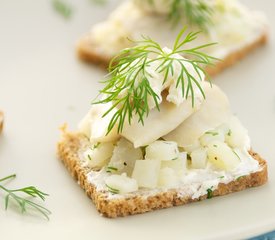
(222, 156)
(162, 150)
(192, 147)
(210, 136)
(178, 165)
(224, 128)
(146, 173)
(199, 158)
(99, 154)
(237, 136)
(168, 178)
(121, 184)
(124, 157)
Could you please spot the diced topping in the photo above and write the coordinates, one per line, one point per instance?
(222, 156)
(124, 157)
(162, 150)
(199, 158)
(178, 165)
(237, 136)
(210, 136)
(119, 184)
(192, 147)
(168, 178)
(146, 173)
(98, 155)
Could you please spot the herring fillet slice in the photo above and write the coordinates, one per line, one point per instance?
(159, 122)
(214, 111)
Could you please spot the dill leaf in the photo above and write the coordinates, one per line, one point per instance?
(63, 8)
(195, 12)
(24, 203)
(128, 88)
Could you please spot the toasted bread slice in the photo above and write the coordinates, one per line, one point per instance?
(236, 37)
(1, 121)
(87, 51)
(143, 200)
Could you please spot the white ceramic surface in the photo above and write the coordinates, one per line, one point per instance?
(43, 84)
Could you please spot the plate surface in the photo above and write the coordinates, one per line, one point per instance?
(43, 84)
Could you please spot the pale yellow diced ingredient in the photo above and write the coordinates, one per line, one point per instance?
(178, 165)
(146, 173)
(237, 136)
(199, 158)
(222, 156)
(121, 184)
(168, 178)
(99, 154)
(192, 147)
(212, 135)
(124, 157)
(162, 150)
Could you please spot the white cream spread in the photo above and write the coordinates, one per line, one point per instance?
(234, 27)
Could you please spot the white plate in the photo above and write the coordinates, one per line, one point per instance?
(42, 85)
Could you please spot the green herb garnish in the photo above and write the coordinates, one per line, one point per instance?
(195, 12)
(209, 193)
(236, 154)
(212, 133)
(24, 203)
(229, 133)
(95, 146)
(112, 190)
(240, 177)
(128, 86)
(62, 8)
(111, 169)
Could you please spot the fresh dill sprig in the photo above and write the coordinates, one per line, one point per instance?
(112, 190)
(195, 12)
(209, 193)
(62, 8)
(111, 169)
(24, 203)
(213, 133)
(128, 87)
